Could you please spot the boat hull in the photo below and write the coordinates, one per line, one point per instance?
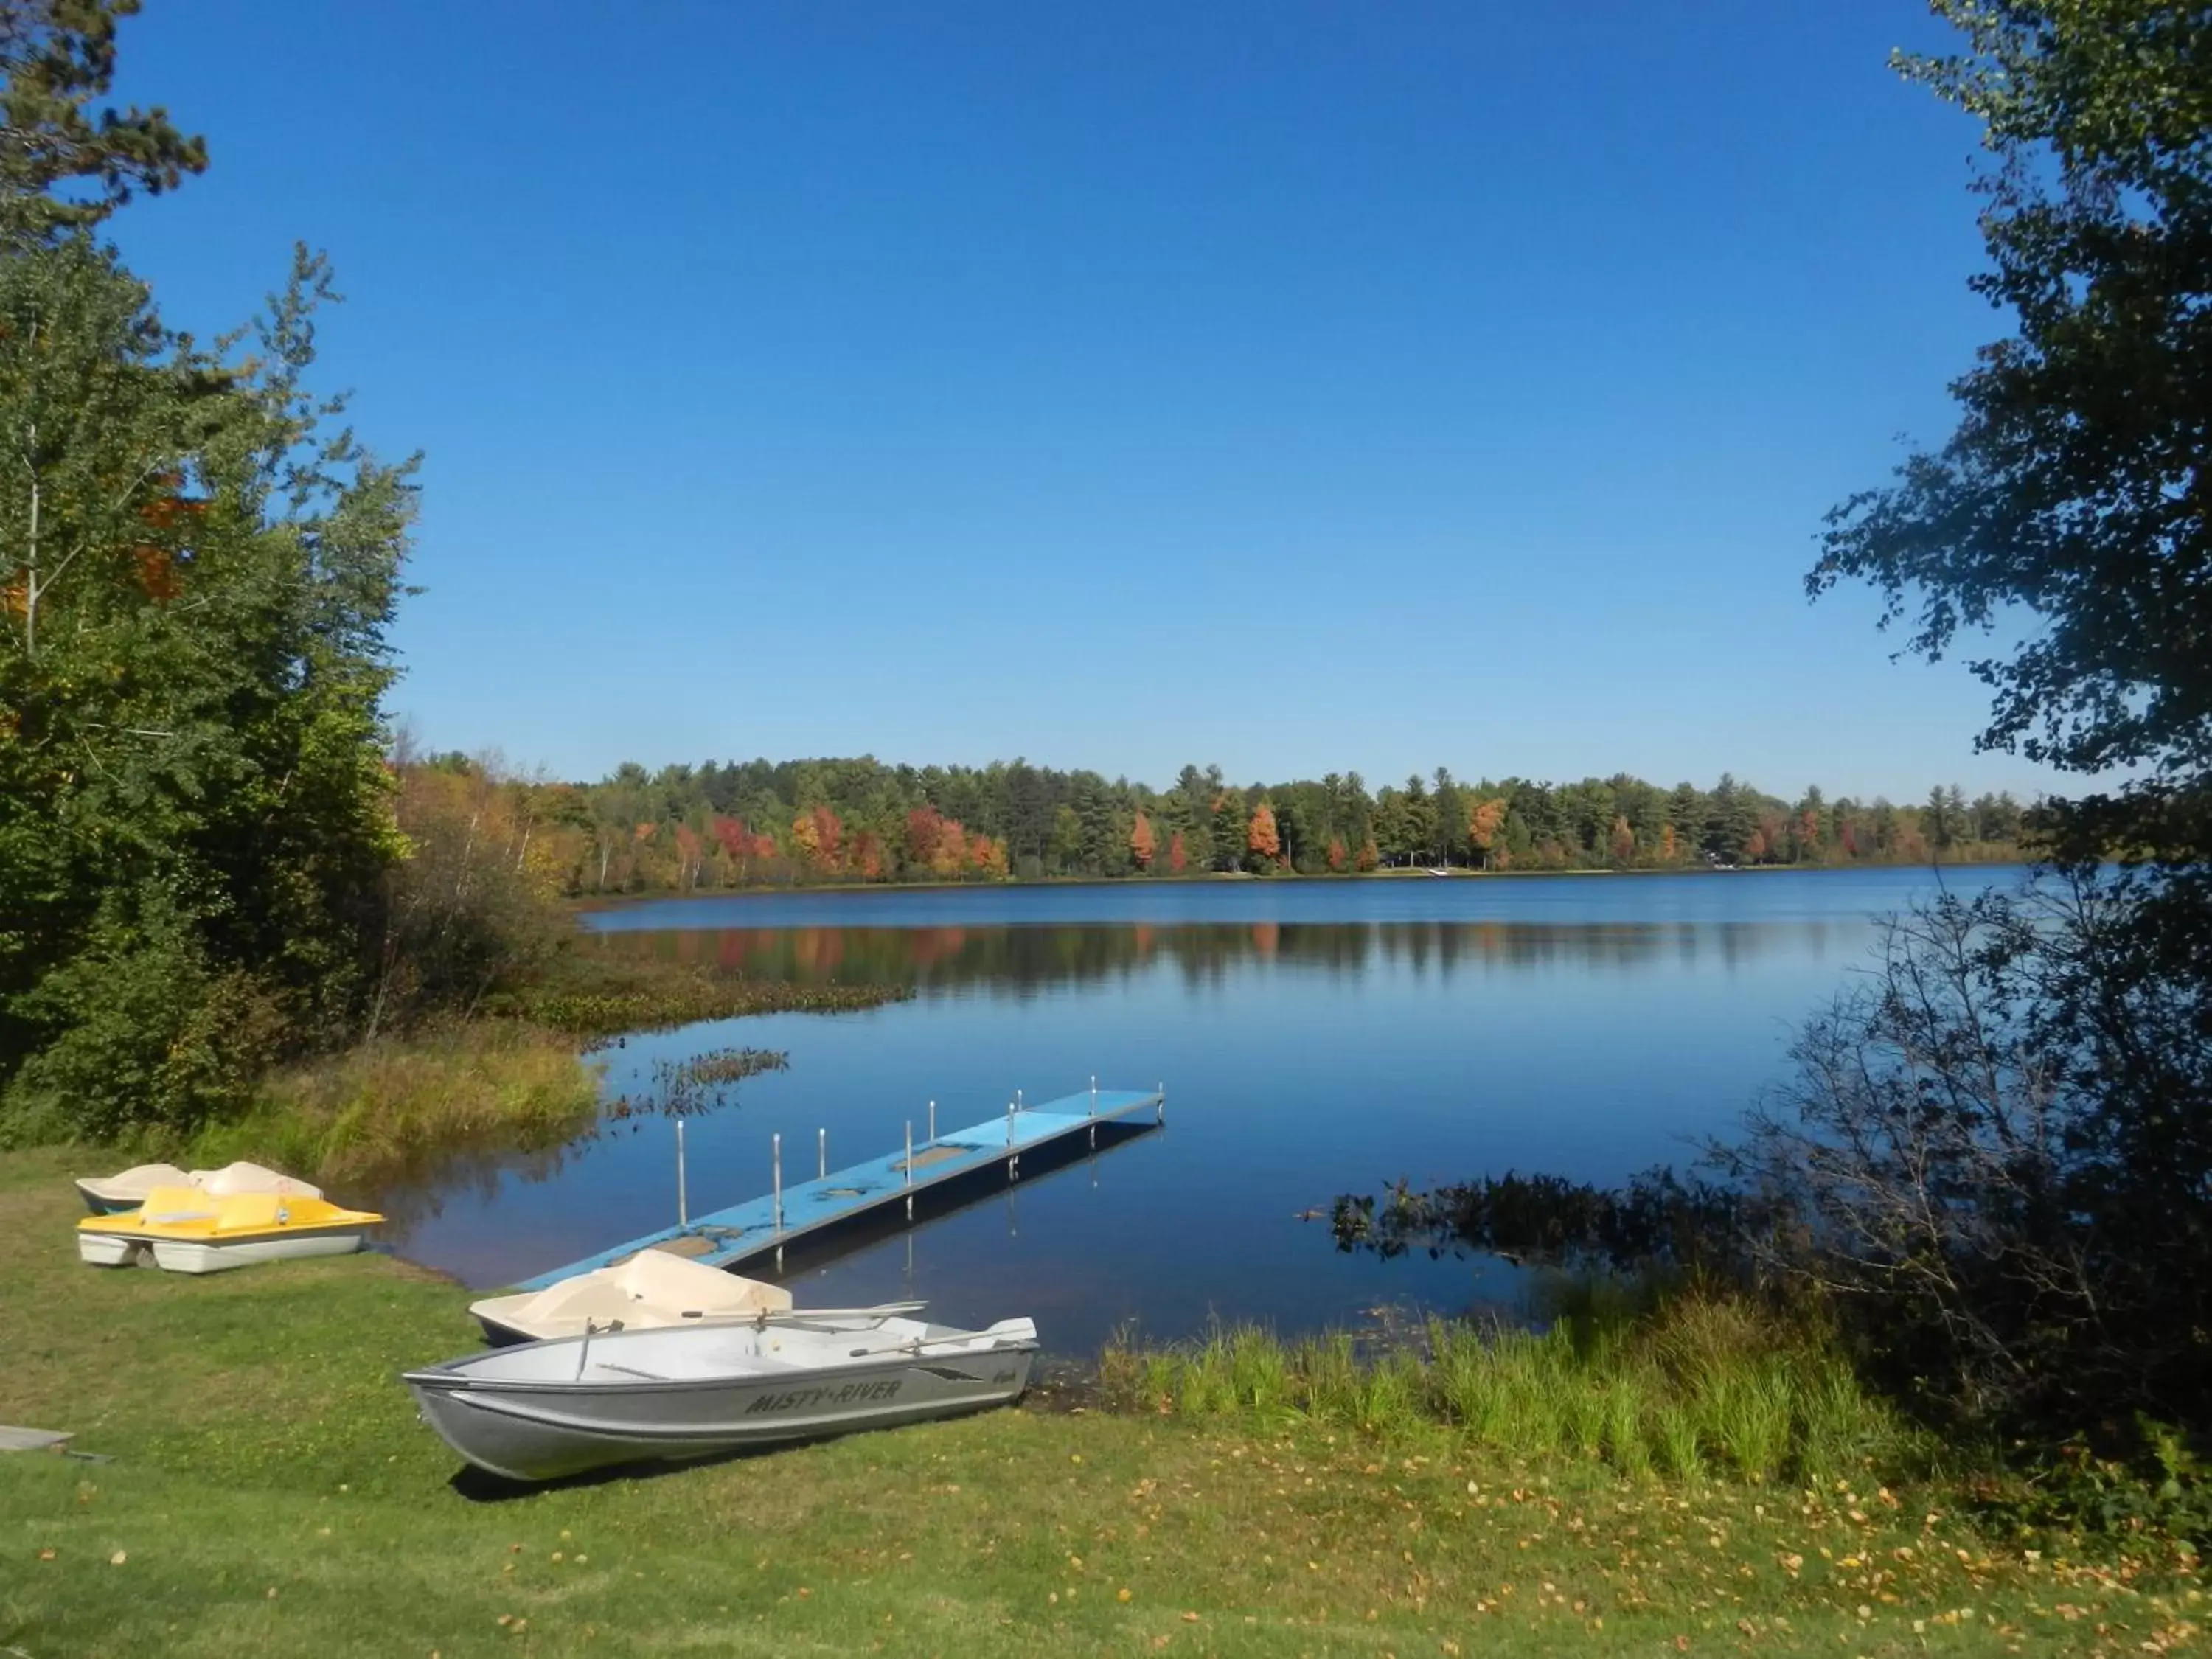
(108, 1250)
(546, 1430)
(178, 1256)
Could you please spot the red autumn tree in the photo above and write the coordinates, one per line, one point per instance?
(688, 848)
(1336, 852)
(950, 856)
(1260, 835)
(988, 856)
(1177, 857)
(867, 856)
(1141, 842)
(1669, 845)
(1369, 854)
(921, 829)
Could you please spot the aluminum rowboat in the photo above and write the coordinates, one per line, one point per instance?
(539, 1411)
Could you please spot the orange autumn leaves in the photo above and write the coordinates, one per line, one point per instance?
(948, 850)
(1261, 837)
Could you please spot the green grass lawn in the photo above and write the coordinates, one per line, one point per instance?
(269, 1492)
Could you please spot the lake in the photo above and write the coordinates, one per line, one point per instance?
(1314, 1037)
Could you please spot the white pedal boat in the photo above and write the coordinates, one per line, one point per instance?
(184, 1229)
(111, 1194)
(543, 1410)
(651, 1289)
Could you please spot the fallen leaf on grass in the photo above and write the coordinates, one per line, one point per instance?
(118, 1559)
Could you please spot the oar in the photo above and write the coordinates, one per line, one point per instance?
(880, 1312)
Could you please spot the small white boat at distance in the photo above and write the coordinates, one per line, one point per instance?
(652, 1290)
(111, 1194)
(543, 1410)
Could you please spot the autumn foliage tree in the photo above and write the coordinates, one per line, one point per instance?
(1178, 859)
(1483, 821)
(1261, 837)
(1141, 846)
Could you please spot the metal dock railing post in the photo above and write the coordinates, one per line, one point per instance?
(736, 1233)
(683, 1204)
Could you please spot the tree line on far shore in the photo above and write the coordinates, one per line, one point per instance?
(759, 822)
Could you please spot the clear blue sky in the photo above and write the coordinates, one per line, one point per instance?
(1301, 387)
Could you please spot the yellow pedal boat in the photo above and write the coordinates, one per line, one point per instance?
(187, 1229)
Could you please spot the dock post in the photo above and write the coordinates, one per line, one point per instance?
(1094, 1094)
(1160, 1108)
(909, 1166)
(932, 1123)
(775, 1158)
(821, 1154)
(683, 1205)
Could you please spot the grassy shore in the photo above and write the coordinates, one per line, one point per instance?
(269, 1492)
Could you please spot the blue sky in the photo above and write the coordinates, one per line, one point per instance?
(1299, 387)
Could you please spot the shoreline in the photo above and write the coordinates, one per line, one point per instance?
(583, 903)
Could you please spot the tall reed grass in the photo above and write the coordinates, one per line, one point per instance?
(1683, 1385)
(374, 1114)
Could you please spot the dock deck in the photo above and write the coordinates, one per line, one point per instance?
(767, 1226)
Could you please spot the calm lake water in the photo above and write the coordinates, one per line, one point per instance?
(1314, 1037)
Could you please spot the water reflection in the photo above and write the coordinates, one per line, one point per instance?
(1031, 958)
(1315, 1038)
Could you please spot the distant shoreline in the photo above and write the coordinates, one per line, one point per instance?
(583, 903)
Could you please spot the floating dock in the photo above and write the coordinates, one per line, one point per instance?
(767, 1226)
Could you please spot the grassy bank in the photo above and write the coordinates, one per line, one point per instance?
(269, 1492)
(1705, 1387)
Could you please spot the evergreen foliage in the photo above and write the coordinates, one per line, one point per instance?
(196, 576)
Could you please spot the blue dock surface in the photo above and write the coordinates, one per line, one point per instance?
(764, 1226)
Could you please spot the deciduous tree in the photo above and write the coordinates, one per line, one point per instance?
(1141, 842)
(1260, 836)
